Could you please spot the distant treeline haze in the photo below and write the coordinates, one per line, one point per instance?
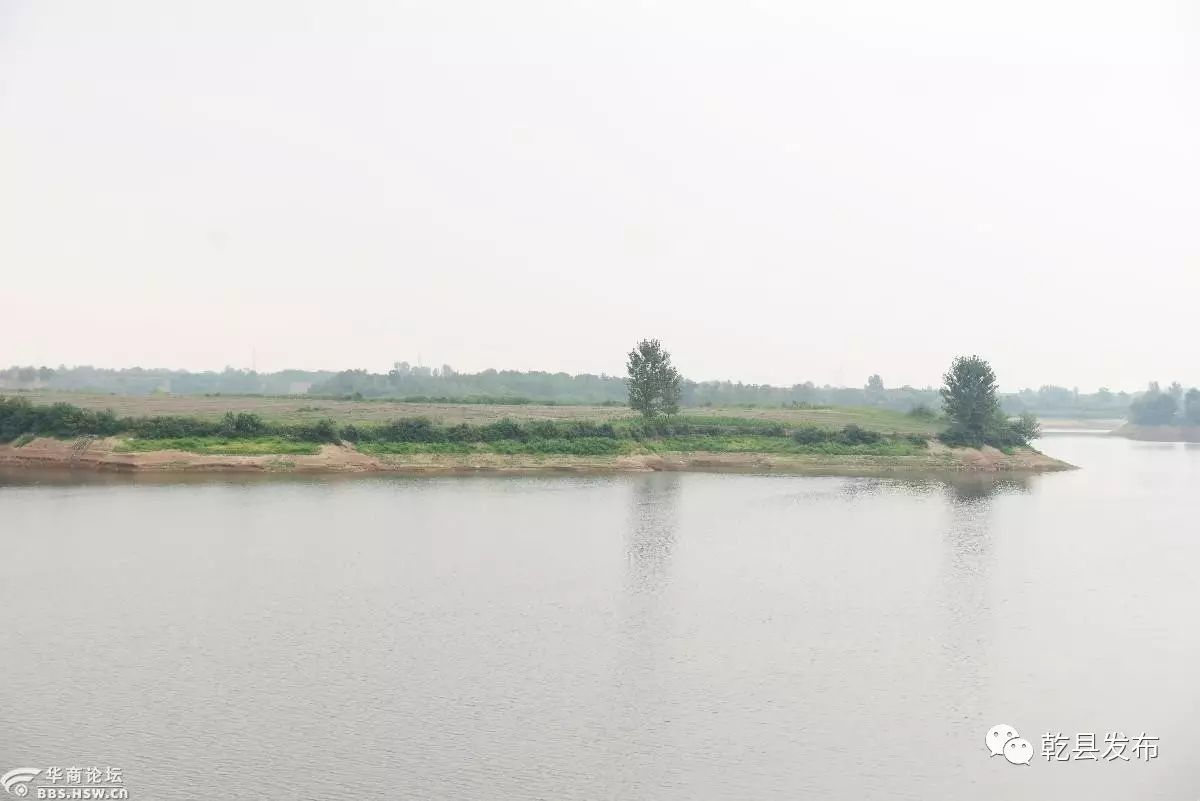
(1169, 407)
(410, 382)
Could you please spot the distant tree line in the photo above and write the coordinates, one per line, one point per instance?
(405, 381)
(143, 381)
(1170, 407)
(418, 383)
(422, 383)
(1054, 401)
(409, 381)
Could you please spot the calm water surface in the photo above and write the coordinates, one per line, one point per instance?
(670, 636)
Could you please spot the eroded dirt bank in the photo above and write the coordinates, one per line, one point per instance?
(101, 454)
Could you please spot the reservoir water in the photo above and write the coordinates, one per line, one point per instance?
(664, 636)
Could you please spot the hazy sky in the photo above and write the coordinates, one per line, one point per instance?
(780, 190)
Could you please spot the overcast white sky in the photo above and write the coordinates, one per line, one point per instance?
(781, 191)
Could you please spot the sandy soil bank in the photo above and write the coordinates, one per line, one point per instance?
(101, 454)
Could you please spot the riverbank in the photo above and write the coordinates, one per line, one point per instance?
(1158, 433)
(1065, 425)
(110, 454)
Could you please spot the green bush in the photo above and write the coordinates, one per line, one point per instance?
(242, 424)
(320, 431)
(999, 432)
(409, 429)
(649, 429)
(853, 435)
(503, 429)
(170, 427)
(18, 416)
(1025, 428)
(811, 435)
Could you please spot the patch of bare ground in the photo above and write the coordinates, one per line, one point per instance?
(991, 459)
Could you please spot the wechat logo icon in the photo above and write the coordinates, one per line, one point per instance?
(1003, 740)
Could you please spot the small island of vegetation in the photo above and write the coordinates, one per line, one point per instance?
(651, 432)
(1159, 415)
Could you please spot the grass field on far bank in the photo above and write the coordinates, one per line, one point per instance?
(591, 446)
(662, 445)
(686, 435)
(301, 409)
(258, 426)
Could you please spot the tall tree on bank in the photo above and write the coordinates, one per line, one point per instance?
(653, 382)
(969, 399)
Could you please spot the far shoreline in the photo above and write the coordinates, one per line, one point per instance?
(1157, 433)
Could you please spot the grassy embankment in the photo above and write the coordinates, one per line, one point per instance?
(210, 425)
(683, 433)
(252, 446)
(302, 409)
